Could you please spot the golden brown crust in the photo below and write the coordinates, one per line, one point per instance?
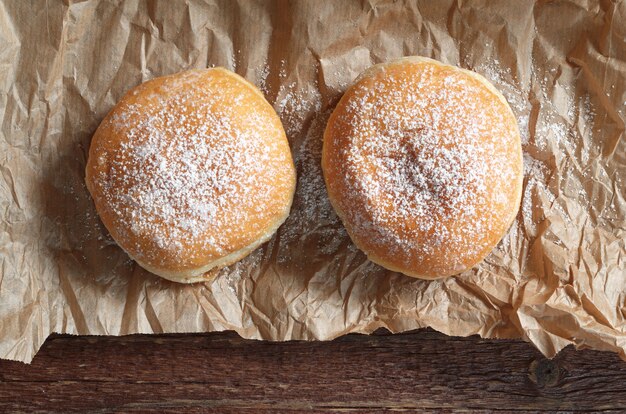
(191, 172)
(423, 164)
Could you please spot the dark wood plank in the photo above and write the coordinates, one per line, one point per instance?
(223, 373)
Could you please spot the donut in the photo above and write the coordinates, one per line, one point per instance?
(423, 165)
(191, 172)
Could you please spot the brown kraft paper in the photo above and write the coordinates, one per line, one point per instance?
(557, 278)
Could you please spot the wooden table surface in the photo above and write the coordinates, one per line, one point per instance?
(221, 372)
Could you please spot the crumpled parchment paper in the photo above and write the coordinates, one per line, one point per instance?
(557, 278)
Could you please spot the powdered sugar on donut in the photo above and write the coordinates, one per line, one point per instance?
(424, 162)
(189, 174)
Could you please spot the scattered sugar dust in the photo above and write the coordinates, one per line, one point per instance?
(232, 277)
(312, 215)
(536, 175)
(261, 75)
(295, 105)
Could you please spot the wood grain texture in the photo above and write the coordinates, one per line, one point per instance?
(221, 372)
